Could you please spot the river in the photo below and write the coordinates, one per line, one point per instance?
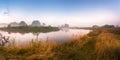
(59, 36)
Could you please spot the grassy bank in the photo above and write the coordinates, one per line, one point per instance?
(100, 44)
(30, 29)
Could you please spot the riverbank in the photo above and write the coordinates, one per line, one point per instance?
(99, 44)
(30, 29)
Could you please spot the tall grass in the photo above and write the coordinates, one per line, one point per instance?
(97, 45)
(107, 47)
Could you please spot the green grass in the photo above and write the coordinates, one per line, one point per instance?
(30, 29)
(100, 44)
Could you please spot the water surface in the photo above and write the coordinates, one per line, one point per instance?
(59, 36)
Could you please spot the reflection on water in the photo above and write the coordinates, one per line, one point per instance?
(59, 36)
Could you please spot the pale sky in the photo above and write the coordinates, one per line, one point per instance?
(57, 12)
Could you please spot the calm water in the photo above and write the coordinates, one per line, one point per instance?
(59, 36)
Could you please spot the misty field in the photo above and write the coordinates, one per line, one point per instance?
(99, 44)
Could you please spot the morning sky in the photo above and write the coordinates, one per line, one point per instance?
(57, 12)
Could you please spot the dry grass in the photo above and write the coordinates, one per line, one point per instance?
(107, 47)
(97, 45)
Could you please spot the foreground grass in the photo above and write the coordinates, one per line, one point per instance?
(100, 44)
(30, 29)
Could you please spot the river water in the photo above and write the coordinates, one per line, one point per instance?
(59, 36)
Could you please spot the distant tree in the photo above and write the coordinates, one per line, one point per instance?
(117, 26)
(62, 25)
(66, 25)
(108, 26)
(9, 25)
(49, 26)
(95, 26)
(22, 23)
(43, 24)
(35, 23)
(13, 24)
